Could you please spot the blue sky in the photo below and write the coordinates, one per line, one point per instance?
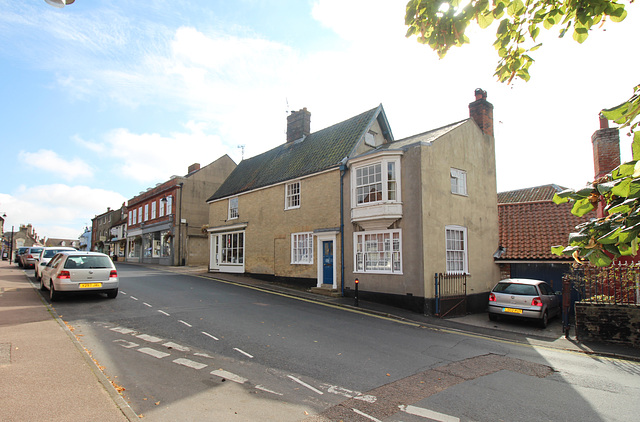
(105, 98)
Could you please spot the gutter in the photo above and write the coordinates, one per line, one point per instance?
(343, 170)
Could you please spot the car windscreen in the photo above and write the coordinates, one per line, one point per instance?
(87, 262)
(49, 253)
(516, 289)
(35, 251)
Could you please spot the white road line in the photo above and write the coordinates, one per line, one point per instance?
(146, 304)
(133, 297)
(185, 323)
(163, 313)
(152, 352)
(261, 388)
(426, 413)
(122, 330)
(123, 293)
(150, 339)
(203, 355)
(243, 352)
(228, 375)
(334, 389)
(190, 363)
(209, 335)
(366, 416)
(304, 384)
(126, 344)
(175, 346)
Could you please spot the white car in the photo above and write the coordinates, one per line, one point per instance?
(45, 256)
(79, 271)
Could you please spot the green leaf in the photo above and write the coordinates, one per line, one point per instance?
(635, 146)
(581, 207)
(558, 250)
(562, 197)
(485, 20)
(611, 237)
(598, 258)
(624, 170)
(580, 35)
(621, 187)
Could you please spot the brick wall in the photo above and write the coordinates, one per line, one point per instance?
(606, 151)
(608, 323)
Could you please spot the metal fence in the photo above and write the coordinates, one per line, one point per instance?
(451, 294)
(617, 284)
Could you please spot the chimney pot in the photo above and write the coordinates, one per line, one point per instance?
(604, 122)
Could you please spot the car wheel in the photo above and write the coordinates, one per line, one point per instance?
(53, 295)
(111, 294)
(493, 317)
(545, 320)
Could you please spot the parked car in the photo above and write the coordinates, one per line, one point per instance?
(19, 253)
(524, 298)
(28, 258)
(79, 271)
(46, 255)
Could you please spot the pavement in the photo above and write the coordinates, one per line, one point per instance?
(46, 374)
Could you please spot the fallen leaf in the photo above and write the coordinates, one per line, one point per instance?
(157, 403)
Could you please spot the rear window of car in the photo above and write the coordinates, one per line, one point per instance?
(516, 289)
(87, 262)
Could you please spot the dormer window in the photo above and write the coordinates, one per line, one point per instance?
(370, 138)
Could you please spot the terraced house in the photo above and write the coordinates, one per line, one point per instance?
(350, 202)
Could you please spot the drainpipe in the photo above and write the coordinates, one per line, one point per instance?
(343, 170)
(180, 227)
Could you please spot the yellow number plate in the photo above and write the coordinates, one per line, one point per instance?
(89, 285)
(512, 311)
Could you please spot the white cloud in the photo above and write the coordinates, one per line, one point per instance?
(50, 161)
(57, 210)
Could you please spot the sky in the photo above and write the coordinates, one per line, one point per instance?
(103, 99)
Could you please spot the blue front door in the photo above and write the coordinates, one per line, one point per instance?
(327, 262)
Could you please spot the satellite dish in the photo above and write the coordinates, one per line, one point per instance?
(59, 3)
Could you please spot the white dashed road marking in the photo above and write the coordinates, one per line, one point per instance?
(228, 375)
(190, 363)
(304, 384)
(126, 344)
(122, 330)
(259, 387)
(366, 416)
(146, 304)
(133, 297)
(209, 335)
(150, 339)
(243, 352)
(185, 323)
(426, 413)
(164, 313)
(152, 352)
(175, 346)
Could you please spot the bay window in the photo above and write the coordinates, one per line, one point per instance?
(378, 251)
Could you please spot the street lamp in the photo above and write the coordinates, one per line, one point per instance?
(59, 3)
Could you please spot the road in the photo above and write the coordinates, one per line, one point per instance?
(192, 348)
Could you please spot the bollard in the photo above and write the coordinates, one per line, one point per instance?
(356, 295)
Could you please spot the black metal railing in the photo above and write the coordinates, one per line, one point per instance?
(617, 284)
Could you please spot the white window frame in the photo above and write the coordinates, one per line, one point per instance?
(361, 198)
(233, 208)
(154, 205)
(140, 215)
(458, 182)
(146, 212)
(169, 204)
(302, 248)
(456, 254)
(365, 248)
(292, 195)
(161, 208)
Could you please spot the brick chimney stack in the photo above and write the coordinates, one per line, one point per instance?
(193, 167)
(298, 125)
(481, 111)
(606, 149)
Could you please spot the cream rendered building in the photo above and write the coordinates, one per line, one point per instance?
(350, 202)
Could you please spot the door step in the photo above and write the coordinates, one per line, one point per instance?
(325, 291)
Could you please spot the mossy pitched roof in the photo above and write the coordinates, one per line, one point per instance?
(317, 152)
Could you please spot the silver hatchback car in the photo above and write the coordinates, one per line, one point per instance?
(79, 271)
(524, 298)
